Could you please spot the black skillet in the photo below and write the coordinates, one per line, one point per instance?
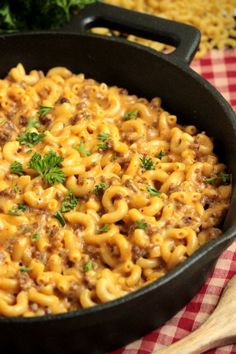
(147, 74)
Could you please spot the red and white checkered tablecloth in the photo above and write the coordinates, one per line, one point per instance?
(219, 67)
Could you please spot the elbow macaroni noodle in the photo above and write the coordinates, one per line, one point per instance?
(214, 18)
(146, 193)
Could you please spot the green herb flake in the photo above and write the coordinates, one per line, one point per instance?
(104, 228)
(153, 191)
(103, 136)
(82, 150)
(130, 115)
(29, 151)
(17, 168)
(36, 236)
(161, 155)
(15, 188)
(219, 179)
(60, 218)
(141, 225)
(146, 163)
(25, 269)
(17, 210)
(44, 110)
(30, 138)
(69, 203)
(102, 147)
(99, 188)
(88, 266)
(47, 167)
(33, 123)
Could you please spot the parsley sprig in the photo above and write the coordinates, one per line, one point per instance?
(17, 168)
(146, 163)
(141, 225)
(130, 115)
(44, 110)
(81, 148)
(104, 228)
(47, 167)
(102, 146)
(218, 179)
(36, 236)
(103, 136)
(153, 191)
(30, 138)
(33, 123)
(88, 266)
(69, 203)
(99, 188)
(60, 218)
(161, 154)
(25, 269)
(17, 210)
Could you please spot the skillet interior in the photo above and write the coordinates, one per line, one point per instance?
(193, 100)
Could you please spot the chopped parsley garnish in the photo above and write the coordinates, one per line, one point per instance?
(161, 154)
(70, 202)
(47, 167)
(81, 148)
(15, 188)
(103, 136)
(146, 163)
(17, 210)
(88, 266)
(100, 188)
(25, 269)
(104, 228)
(44, 110)
(102, 147)
(130, 115)
(60, 218)
(141, 225)
(17, 168)
(33, 123)
(30, 138)
(36, 236)
(219, 178)
(153, 191)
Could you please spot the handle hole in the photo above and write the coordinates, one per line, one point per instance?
(156, 45)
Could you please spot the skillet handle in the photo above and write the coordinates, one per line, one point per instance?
(184, 37)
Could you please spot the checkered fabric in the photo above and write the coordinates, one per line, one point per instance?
(219, 67)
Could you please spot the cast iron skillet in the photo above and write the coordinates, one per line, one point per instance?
(147, 74)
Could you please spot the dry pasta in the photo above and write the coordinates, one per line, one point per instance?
(214, 18)
(101, 192)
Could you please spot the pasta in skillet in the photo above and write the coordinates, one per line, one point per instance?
(101, 192)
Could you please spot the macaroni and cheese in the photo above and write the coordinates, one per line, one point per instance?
(101, 192)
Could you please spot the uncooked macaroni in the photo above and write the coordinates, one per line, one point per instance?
(101, 192)
(214, 18)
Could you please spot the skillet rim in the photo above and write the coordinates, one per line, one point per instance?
(226, 238)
